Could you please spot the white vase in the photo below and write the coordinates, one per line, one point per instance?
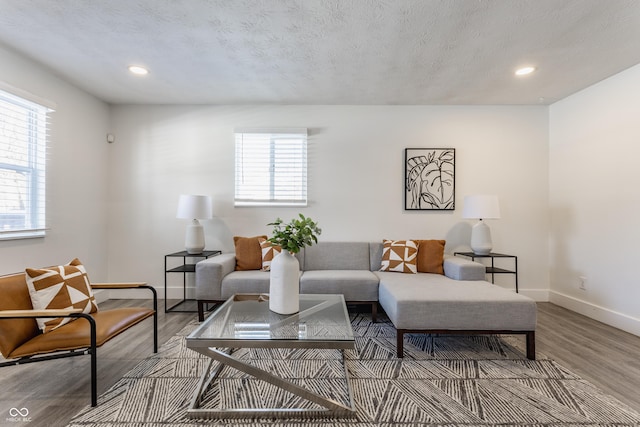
(284, 284)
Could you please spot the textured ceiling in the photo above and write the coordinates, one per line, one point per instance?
(430, 52)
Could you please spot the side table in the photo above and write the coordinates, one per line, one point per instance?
(493, 270)
(184, 268)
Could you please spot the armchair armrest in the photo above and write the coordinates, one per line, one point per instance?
(122, 285)
(13, 314)
(133, 285)
(458, 268)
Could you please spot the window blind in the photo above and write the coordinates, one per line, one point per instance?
(271, 167)
(23, 144)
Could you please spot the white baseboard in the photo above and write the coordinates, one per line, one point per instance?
(539, 295)
(601, 314)
(173, 292)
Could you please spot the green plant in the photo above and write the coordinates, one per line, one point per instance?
(295, 234)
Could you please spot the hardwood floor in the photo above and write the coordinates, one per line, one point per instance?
(54, 391)
(598, 353)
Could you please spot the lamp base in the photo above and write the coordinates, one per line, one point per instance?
(481, 243)
(194, 239)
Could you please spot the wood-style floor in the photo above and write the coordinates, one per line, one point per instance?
(54, 391)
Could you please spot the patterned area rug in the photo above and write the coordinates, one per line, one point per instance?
(442, 380)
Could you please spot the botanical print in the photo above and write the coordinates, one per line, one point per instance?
(429, 179)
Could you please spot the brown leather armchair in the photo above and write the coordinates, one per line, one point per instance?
(21, 341)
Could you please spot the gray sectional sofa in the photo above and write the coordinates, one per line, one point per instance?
(460, 301)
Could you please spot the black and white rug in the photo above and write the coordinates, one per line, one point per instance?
(442, 380)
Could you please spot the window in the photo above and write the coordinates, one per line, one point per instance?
(271, 167)
(23, 140)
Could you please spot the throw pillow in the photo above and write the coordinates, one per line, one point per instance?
(60, 287)
(399, 256)
(430, 256)
(248, 253)
(269, 251)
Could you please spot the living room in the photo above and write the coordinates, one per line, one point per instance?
(559, 167)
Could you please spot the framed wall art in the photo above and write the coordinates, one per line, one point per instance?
(429, 179)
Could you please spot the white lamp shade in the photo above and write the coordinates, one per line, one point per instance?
(194, 207)
(481, 207)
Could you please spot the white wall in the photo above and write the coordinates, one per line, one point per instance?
(594, 200)
(355, 178)
(113, 205)
(76, 174)
(567, 172)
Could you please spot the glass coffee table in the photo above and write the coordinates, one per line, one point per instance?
(245, 321)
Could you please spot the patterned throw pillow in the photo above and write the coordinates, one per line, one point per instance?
(430, 256)
(399, 256)
(61, 287)
(269, 251)
(248, 255)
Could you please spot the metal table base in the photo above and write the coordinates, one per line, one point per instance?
(331, 407)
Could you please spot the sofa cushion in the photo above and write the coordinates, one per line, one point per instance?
(61, 287)
(248, 252)
(269, 251)
(355, 285)
(399, 256)
(430, 256)
(430, 301)
(337, 256)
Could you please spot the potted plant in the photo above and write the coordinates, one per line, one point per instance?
(295, 234)
(284, 280)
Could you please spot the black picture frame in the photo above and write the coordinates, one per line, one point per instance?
(429, 179)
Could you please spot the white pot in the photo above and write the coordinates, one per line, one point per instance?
(284, 284)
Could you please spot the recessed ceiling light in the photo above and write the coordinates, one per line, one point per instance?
(136, 69)
(524, 71)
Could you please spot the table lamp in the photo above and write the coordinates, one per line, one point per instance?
(194, 207)
(481, 207)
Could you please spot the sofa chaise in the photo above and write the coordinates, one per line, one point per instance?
(458, 301)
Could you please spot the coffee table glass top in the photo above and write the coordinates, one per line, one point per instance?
(245, 320)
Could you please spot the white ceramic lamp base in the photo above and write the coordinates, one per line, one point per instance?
(194, 239)
(481, 239)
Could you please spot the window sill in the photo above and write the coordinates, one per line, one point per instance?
(17, 235)
(269, 204)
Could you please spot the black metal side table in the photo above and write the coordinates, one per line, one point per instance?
(184, 268)
(493, 270)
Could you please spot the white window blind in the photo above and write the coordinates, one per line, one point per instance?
(23, 143)
(271, 167)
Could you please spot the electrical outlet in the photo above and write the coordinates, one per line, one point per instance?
(582, 283)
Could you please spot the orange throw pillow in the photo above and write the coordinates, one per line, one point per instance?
(430, 256)
(248, 252)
